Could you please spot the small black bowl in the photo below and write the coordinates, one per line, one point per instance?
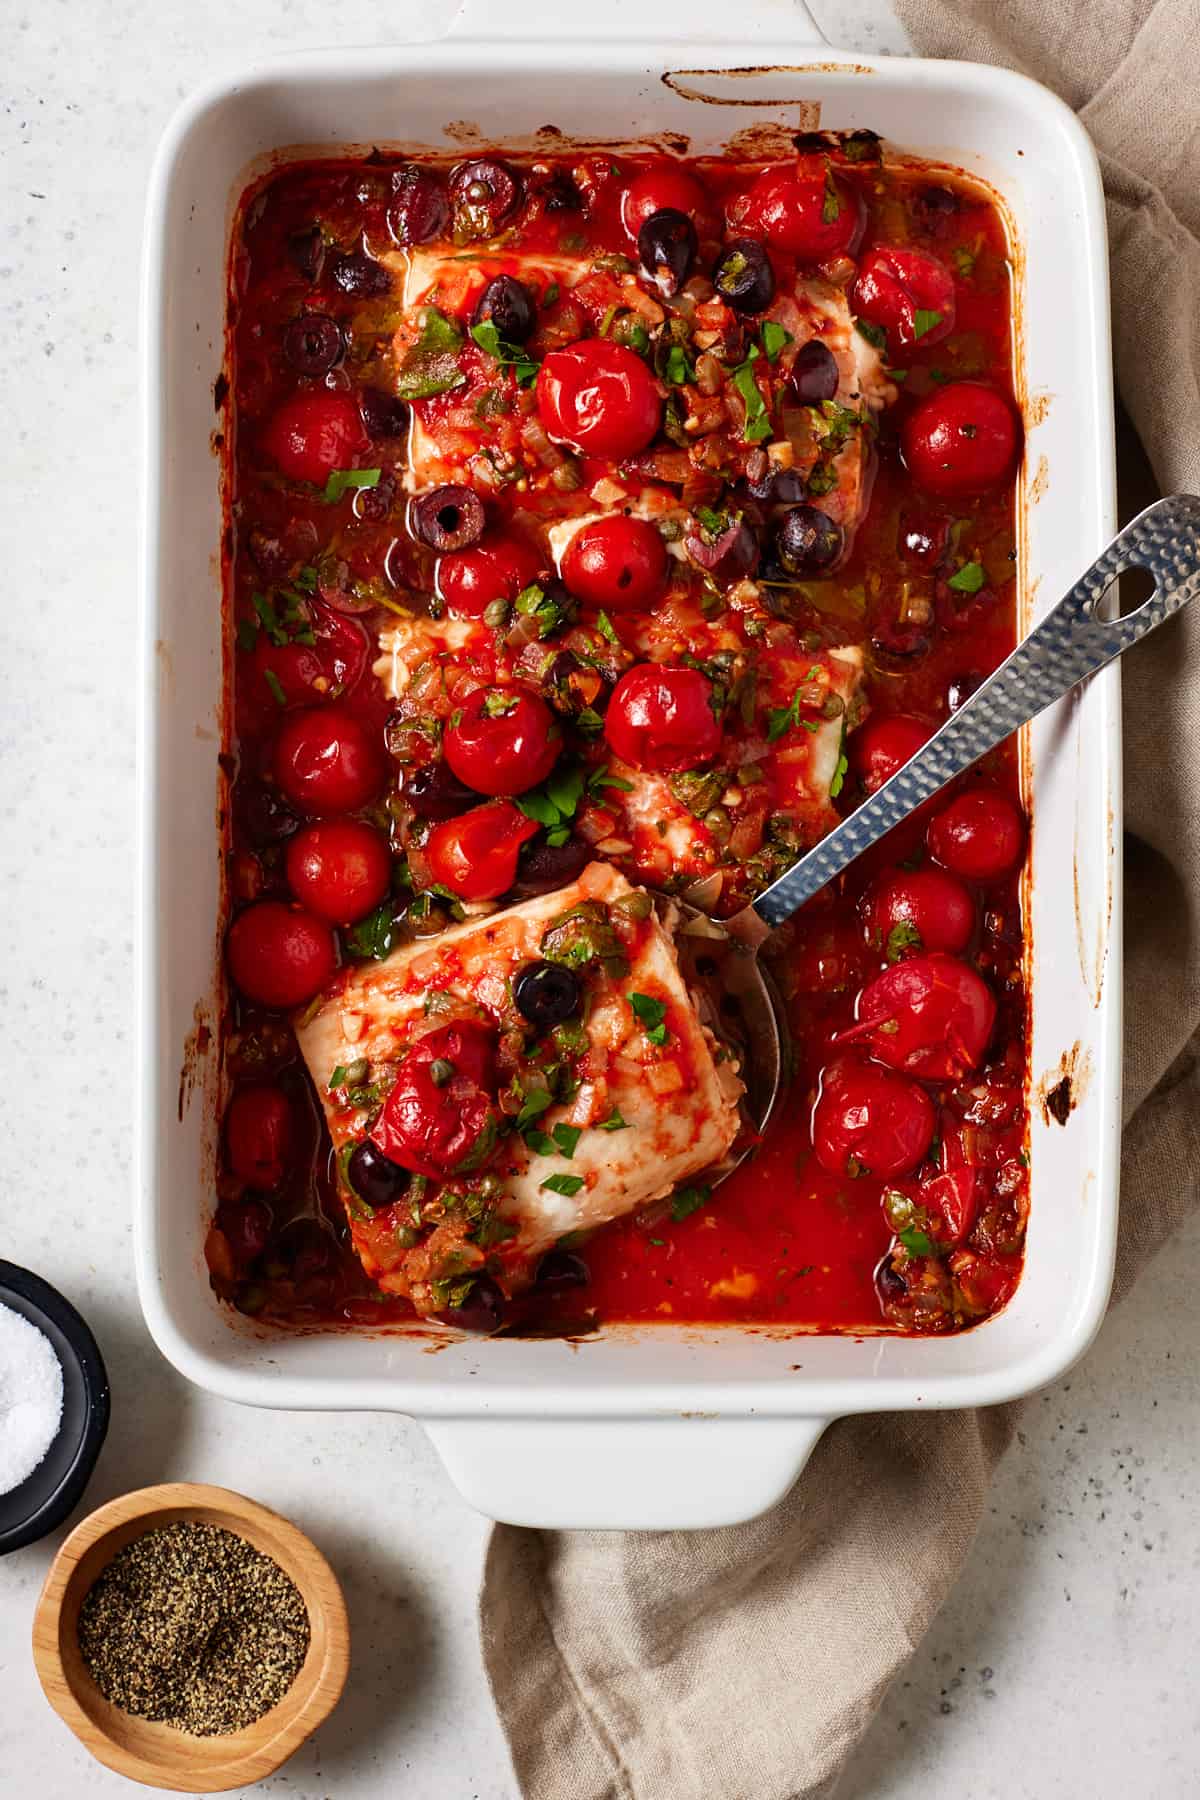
(43, 1500)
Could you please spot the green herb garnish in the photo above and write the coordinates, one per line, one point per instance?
(774, 338)
(276, 686)
(758, 418)
(918, 1243)
(341, 481)
(566, 1137)
(553, 805)
(651, 1014)
(902, 937)
(967, 580)
(614, 1122)
(509, 356)
(563, 1184)
(875, 335)
(687, 1200)
(431, 365)
(924, 320)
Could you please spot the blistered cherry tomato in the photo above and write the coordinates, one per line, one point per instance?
(884, 744)
(279, 956)
(909, 292)
(921, 909)
(339, 868)
(657, 189)
(616, 562)
(338, 655)
(806, 210)
(475, 855)
(469, 580)
(871, 1117)
(599, 397)
(326, 762)
(314, 433)
(931, 1016)
(439, 1119)
(661, 717)
(961, 440)
(258, 1131)
(980, 835)
(502, 741)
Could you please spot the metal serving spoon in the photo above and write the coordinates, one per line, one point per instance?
(1071, 643)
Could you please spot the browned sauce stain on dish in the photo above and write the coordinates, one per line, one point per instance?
(220, 390)
(463, 131)
(1093, 956)
(760, 143)
(1061, 1089)
(196, 1046)
(1041, 481)
(1037, 409)
(549, 134)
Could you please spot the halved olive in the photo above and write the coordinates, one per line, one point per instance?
(808, 540)
(547, 994)
(313, 343)
(667, 248)
(744, 277)
(814, 375)
(420, 210)
(510, 306)
(447, 518)
(484, 192)
(360, 275)
(374, 1177)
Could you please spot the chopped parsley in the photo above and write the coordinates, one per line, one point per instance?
(924, 321)
(431, 365)
(614, 1122)
(917, 1243)
(687, 1200)
(774, 338)
(875, 335)
(536, 1103)
(341, 481)
(276, 686)
(510, 356)
(533, 602)
(563, 1184)
(676, 368)
(566, 1137)
(606, 628)
(373, 936)
(651, 1014)
(554, 804)
(902, 937)
(967, 580)
(758, 418)
(841, 771)
(782, 719)
(831, 206)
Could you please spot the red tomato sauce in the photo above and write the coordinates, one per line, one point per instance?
(324, 558)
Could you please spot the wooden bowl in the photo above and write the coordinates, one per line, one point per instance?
(162, 1755)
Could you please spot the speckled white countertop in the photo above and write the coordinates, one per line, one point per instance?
(1062, 1664)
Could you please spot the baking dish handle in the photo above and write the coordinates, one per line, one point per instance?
(624, 1474)
(633, 21)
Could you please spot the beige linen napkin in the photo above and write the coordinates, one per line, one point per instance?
(663, 1666)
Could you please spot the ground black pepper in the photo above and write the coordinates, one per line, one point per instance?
(192, 1626)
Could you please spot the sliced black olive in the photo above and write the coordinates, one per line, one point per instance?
(313, 343)
(727, 557)
(306, 252)
(889, 1283)
(667, 248)
(484, 193)
(374, 1177)
(544, 867)
(360, 275)
(744, 277)
(778, 487)
(482, 1311)
(265, 815)
(814, 374)
(547, 994)
(808, 541)
(447, 518)
(435, 792)
(383, 414)
(560, 1270)
(510, 306)
(556, 191)
(420, 210)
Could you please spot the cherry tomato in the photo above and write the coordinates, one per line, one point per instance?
(884, 744)
(314, 433)
(599, 397)
(325, 761)
(258, 1131)
(340, 869)
(909, 292)
(985, 1283)
(951, 1199)
(962, 440)
(881, 1120)
(980, 835)
(654, 190)
(279, 956)
(303, 673)
(931, 1016)
(475, 855)
(502, 741)
(469, 580)
(661, 717)
(921, 909)
(806, 210)
(616, 562)
(439, 1118)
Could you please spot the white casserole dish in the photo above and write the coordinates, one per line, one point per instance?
(660, 1427)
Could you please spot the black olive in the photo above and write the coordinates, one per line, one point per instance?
(778, 487)
(313, 343)
(420, 210)
(484, 193)
(360, 275)
(383, 414)
(814, 375)
(560, 1270)
(547, 994)
(889, 1282)
(556, 191)
(808, 541)
(935, 205)
(544, 867)
(306, 252)
(744, 277)
(667, 248)
(482, 1311)
(447, 518)
(510, 306)
(435, 792)
(727, 557)
(265, 815)
(374, 1177)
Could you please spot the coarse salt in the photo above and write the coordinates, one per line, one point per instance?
(31, 1397)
